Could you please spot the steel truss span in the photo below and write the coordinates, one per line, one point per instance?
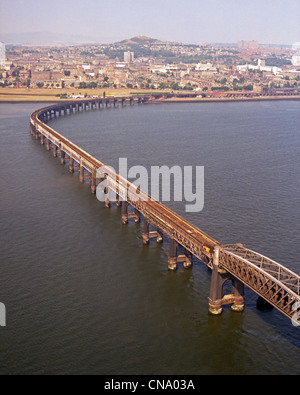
(276, 284)
(272, 281)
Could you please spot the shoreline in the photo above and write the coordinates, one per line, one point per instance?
(225, 99)
(12, 97)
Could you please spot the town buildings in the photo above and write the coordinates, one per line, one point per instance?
(148, 64)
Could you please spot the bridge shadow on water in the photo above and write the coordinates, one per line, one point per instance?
(274, 319)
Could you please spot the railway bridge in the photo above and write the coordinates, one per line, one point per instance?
(275, 284)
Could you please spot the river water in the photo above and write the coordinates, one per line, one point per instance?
(84, 296)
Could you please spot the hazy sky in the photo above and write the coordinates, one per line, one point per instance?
(193, 21)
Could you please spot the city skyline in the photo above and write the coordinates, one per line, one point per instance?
(265, 21)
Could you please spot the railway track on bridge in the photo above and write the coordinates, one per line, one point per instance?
(273, 282)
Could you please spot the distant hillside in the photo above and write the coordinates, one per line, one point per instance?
(139, 40)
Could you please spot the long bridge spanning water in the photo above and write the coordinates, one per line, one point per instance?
(274, 283)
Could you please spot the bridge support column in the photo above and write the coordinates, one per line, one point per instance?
(188, 259)
(107, 200)
(127, 215)
(32, 130)
(216, 298)
(62, 157)
(71, 165)
(118, 201)
(54, 151)
(81, 173)
(238, 295)
(137, 217)
(124, 212)
(93, 182)
(159, 237)
(146, 232)
(48, 145)
(172, 260)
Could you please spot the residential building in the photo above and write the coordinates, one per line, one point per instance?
(2, 54)
(128, 57)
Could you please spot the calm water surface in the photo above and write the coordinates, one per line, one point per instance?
(84, 296)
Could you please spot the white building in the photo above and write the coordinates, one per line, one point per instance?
(296, 59)
(2, 54)
(271, 69)
(205, 67)
(86, 67)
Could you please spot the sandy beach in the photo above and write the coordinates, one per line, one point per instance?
(10, 95)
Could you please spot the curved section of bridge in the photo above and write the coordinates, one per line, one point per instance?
(274, 283)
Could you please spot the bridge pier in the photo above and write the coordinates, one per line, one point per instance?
(81, 173)
(71, 165)
(119, 202)
(159, 236)
(186, 258)
(124, 212)
(48, 145)
(107, 192)
(216, 298)
(172, 259)
(146, 232)
(147, 235)
(188, 261)
(62, 157)
(136, 216)
(93, 182)
(32, 129)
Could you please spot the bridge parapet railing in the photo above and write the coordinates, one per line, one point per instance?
(274, 269)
